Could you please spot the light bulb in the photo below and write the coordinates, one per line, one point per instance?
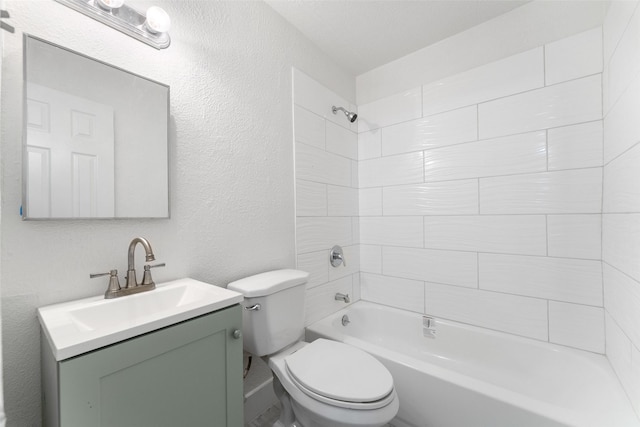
(158, 21)
(110, 4)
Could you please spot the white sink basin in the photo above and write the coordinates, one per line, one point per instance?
(76, 327)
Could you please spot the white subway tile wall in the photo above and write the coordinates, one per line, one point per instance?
(318, 233)
(622, 183)
(309, 128)
(439, 130)
(489, 309)
(558, 192)
(505, 196)
(508, 155)
(510, 234)
(575, 236)
(624, 64)
(392, 170)
(621, 124)
(314, 263)
(448, 267)
(317, 165)
(403, 231)
(622, 296)
(370, 144)
(327, 199)
(619, 354)
(577, 326)
(621, 242)
(615, 24)
(432, 198)
(576, 146)
(560, 279)
(491, 195)
(567, 103)
(311, 198)
(408, 294)
(371, 259)
(370, 203)
(342, 201)
(341, 141)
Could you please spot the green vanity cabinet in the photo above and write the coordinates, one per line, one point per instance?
(187, 375)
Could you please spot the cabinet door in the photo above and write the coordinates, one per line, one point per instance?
(186, 375)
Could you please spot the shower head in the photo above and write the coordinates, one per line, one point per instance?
(351, 116)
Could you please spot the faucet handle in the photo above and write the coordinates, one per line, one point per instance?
(94, 275)
(146, 278)
(114, 283)
(336, 256)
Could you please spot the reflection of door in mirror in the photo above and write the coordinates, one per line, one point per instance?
(95, 139)
(70, 156)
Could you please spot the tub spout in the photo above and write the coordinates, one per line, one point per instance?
(343, 297)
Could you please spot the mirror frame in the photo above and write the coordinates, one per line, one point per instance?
(24, 208)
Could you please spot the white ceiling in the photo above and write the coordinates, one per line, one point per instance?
(363, 34)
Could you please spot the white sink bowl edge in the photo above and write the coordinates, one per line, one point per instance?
(80, 326)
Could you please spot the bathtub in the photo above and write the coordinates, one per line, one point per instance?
(464, 376)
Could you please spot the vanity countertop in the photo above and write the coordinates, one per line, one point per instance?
(80, 326)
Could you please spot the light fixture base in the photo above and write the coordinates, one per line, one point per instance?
(124, 19)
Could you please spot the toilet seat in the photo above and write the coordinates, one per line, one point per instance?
(340, 375)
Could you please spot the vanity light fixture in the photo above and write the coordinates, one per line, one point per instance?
(158, 21)
(108, 5)
(151, 27)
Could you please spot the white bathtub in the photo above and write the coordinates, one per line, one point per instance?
(473, 377)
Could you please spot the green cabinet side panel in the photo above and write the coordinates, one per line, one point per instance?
(187, 375)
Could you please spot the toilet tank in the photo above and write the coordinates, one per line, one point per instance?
(273, 315)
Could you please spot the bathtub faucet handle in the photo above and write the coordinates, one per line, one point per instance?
(336, 257)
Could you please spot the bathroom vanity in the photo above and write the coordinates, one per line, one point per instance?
(175, 369)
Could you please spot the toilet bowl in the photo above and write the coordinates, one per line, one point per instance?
(319, 384)
(333, 384)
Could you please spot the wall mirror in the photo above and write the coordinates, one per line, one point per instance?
(95, 138)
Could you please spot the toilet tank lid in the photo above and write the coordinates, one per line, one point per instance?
(269, 283)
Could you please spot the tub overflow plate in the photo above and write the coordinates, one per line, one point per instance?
(428, 327)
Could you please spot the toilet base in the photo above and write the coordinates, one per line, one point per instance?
(287, 416)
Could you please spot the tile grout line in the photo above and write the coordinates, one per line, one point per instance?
(544, 65)
(548, 322)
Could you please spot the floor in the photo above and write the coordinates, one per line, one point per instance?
(270, 416)
(267, 418)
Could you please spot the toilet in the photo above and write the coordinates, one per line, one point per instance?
(319, 384)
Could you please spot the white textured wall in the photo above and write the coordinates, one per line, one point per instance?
(621, 198)
(231, 168)
(326, 147)
(2, 410)
(480, 195)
